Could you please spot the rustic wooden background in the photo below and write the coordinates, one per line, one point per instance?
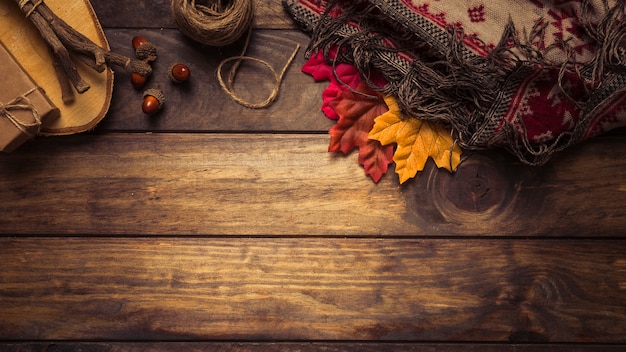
(212, 227)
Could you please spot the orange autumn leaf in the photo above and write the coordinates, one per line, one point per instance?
(357, 110)
(375, 159)
(416, 141)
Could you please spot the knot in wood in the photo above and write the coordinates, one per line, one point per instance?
(476, 186)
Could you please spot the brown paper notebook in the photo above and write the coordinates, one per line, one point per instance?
(23, 41)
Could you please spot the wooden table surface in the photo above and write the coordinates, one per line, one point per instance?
(213, 227)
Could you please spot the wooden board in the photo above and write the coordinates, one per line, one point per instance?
(257, 289)
(247, 184)
(25, 43)
(300, 346)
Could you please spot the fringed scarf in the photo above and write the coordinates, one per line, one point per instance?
(532, 76)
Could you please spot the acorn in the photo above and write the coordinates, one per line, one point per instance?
(144, 50)
(179, 73)
(138, 41)
(141, 70)
(153, 101)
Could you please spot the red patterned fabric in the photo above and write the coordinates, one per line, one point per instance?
(533, 76)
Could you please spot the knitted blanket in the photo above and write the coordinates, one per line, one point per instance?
(532, 76)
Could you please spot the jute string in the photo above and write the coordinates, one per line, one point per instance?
(220, 23)
(23, 3)
(21, 103)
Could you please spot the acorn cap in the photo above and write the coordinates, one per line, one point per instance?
(141, 67)
(157, 93)
(146, 51)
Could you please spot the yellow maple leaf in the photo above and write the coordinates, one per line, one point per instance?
(416, 141)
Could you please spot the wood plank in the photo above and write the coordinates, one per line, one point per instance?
(269, 14)
(300, 346)
(200, 104)
(193, 289)
(247, 184)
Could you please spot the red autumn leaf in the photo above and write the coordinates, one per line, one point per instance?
(357, 111)
(350, 79)
(341, 77)
(329, 95)
(343, 74)
(356, 118)
(346, 76)
(317, 67)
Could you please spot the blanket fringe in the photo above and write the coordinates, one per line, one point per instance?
(448, 84)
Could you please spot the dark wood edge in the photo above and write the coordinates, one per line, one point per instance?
(299, 346)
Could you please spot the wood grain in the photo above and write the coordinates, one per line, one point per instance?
(301, 347)
(178, 289)
(269, 14)
(246, 184)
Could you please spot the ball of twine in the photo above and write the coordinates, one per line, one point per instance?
(213, 22)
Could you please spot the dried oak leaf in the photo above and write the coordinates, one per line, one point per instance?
(416, 140)
(357, 110)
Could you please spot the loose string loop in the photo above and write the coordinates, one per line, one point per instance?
(228, 86)
(220, 23)
(22, 103)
